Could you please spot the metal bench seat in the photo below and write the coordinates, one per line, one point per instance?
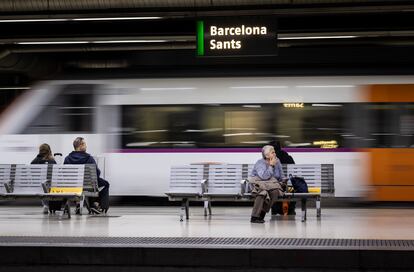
(224, 181)
(228, 182)
(187, 182)
(49, 182)
(5, 178)
(28, 181)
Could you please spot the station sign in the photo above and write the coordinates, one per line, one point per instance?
(242, 36)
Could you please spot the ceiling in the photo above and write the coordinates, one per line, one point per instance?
(52, 39)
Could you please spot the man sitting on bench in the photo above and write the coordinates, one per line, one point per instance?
(79, 156)
(268, 183)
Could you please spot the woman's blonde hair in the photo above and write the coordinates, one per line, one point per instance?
(45, 152)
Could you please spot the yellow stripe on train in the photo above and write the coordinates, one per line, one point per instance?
(65, 190)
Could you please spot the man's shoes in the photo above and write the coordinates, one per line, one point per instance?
(95, 210)
(256, 220)
(262, 215)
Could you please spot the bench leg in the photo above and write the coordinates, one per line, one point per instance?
(187, 209)
(303, 206)
(318, 207)
(207, 207)
(206, 202)
(82, 200)
(67, 208)
(184, 209)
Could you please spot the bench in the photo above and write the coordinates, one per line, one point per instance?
(228, 182)
(187, 182)
(68, 183)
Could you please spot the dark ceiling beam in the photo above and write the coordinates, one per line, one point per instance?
(26, 9)
(187, 42)
(64, 5)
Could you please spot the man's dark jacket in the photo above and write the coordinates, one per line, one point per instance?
(81, 157)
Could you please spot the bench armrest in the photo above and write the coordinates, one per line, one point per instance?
(244, 186)
(204, 186)
(8, 187)
(45, 186)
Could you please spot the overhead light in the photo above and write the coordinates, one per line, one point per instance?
(168, 89)
(33, 20)
(61, 42)
(14, 88)
(91, 42)
(118, 18)
(131, 41)
(259, 87)
(317, 37)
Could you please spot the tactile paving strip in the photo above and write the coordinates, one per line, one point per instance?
(209, 242)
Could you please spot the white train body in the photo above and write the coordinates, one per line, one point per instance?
(145, 171)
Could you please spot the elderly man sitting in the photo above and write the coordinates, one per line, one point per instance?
(267, 181)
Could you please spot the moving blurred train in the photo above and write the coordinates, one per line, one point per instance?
(139, 128)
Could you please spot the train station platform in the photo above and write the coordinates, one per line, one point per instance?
(154, 239)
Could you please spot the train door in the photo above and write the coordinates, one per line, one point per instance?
(391, 127)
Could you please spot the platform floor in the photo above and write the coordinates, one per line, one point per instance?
(349, 223)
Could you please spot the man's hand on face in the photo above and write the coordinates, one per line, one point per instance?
(272, 160)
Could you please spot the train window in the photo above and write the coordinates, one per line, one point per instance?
(77, 111)
(246, 126)
(160, 126)
(313, 125)
(310, 125)
(231, 125)
(390, 125)
(72, 110)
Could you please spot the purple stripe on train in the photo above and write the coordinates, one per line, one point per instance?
(228, 150)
